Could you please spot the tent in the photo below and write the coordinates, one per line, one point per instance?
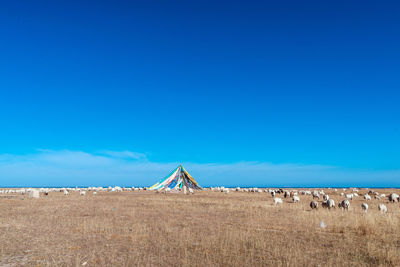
(177, 180)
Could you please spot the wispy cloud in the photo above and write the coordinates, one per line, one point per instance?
(126, 168)
(124, 154)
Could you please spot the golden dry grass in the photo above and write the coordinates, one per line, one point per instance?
(205, 229)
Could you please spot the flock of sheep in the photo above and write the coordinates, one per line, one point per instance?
(35, 193)
(292, 194)
(327, 202)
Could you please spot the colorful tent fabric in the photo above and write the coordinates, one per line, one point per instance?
(176, 180)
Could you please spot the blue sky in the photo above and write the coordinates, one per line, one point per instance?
(270, 93)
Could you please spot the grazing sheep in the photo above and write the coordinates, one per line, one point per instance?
(273, 193)
(326, 197)
(350, 196)
(315, 195)
(345, 204)
(364, 207)
(295, 199)
(277, 200)
(394, 197)
(367, 197)
(66, 192)
(83, 193)
(382, 208)
(191, 191)
(314, 204)
(377, 197)
(286, 194)
(330, 203)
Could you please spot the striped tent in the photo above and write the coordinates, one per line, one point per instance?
(177, 180)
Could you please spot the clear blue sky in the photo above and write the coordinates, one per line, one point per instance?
(312, 83)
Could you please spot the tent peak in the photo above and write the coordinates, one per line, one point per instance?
(177, 179)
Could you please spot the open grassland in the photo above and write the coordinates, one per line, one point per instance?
(204, 229)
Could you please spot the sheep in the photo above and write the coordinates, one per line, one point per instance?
(367, 197)
(382, 208)
(66, 192)
(295, 199)
(82, 193)
(330, 203)
(314, 204)
(377, 197)
(191, 191)
(315, 195)
(286, 194)
(394, 197)
(364, 207)
(326, 197)
(345, 204)
(273, 193)
(278, 200)
(350, 196)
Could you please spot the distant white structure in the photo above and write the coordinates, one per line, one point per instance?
(33, 193)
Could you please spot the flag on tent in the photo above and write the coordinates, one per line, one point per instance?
(176, 180)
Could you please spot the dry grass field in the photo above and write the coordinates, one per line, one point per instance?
(204, 229)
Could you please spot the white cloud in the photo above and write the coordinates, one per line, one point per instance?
(126, 168)
(124, 154)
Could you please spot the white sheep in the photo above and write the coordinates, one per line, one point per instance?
(295, 199)
(278, 200)
(394, 197)
(350, 196)
(326, 197)
(345, 204)
(83, 193)
(315, 195)
(364, 207)
(367, 197)
(330, 203)
(382, 208)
